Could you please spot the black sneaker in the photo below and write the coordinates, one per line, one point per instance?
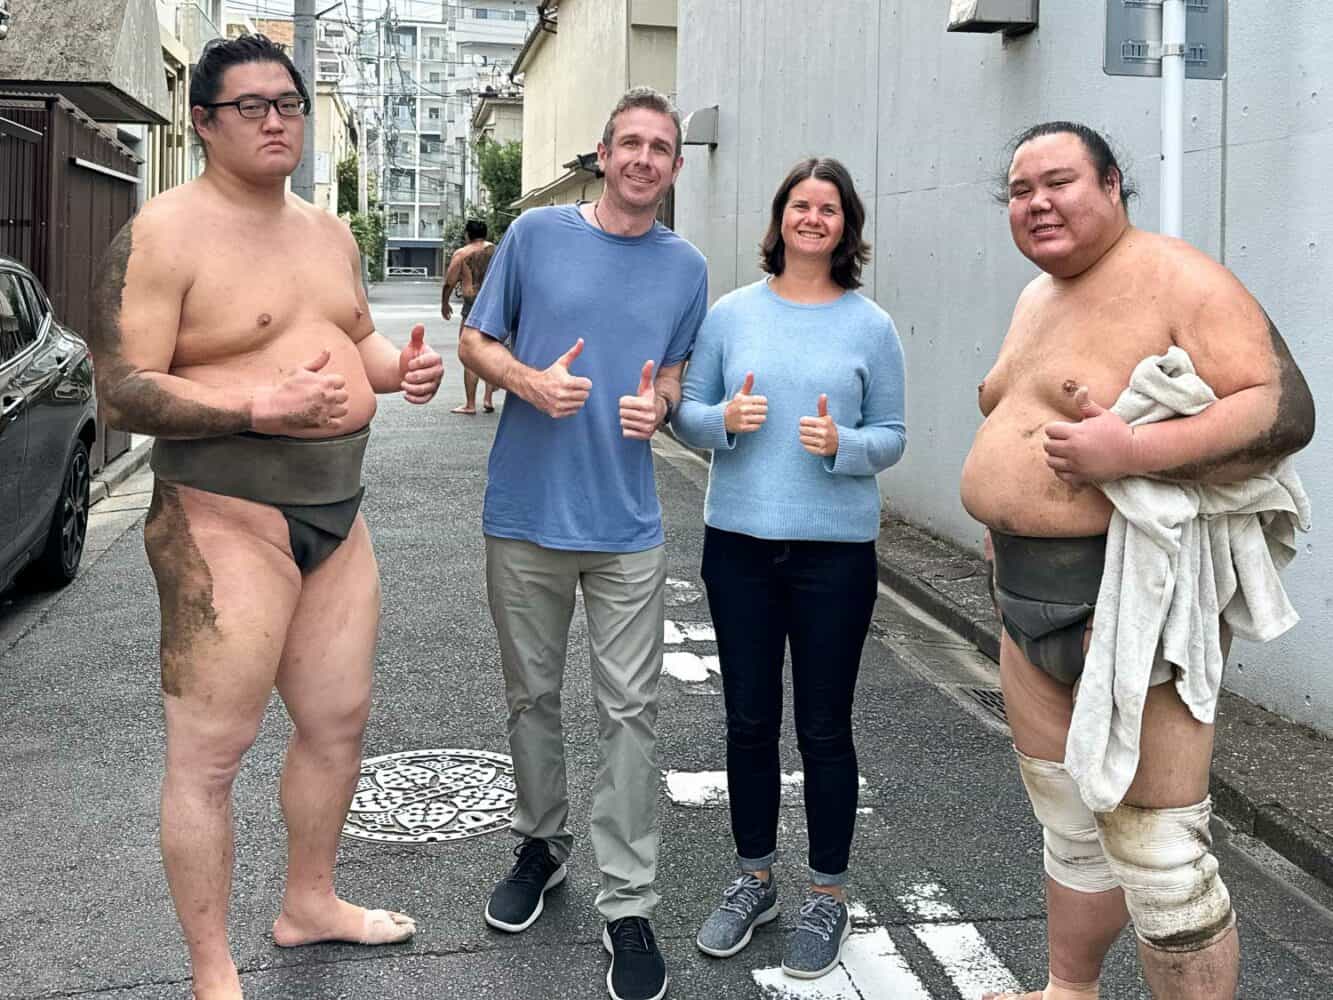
(637, 970)
(516, 902)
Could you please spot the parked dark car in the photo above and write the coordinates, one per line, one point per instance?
(47, 428)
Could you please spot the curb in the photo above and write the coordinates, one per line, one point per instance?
(116, 472)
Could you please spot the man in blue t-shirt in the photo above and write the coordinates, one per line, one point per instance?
(603, 304)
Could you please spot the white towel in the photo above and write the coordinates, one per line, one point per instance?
(1177, 556)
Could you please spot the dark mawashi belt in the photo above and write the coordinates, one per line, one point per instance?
(271, 470)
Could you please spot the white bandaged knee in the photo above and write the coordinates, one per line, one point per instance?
(1073, 853)
(1163, 860)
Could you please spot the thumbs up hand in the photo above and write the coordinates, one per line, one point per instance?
(1097, 447)
(555, 391)
(746, 412)
(307, 398)
(641, 414)
(819, 435)
(420, 368)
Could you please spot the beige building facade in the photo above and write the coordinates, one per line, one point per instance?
(334, 142)
(578, 61)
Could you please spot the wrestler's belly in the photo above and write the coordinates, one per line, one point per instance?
(274, 361)
(1008, 486)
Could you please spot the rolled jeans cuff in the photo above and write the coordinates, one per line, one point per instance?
(752, 865)
(819, 878)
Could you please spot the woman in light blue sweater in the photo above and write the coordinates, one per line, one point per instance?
(796, 384)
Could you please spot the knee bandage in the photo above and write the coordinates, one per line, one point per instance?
(1073, 853)
(1163, 860)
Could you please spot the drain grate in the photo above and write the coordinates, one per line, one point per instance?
(991, 699)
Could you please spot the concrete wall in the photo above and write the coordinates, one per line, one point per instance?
(506, 123)
(921, 118)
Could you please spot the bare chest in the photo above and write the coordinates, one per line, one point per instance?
(1062, 343)
(248, 294)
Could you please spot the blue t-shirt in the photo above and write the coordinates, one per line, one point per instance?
(577, 482)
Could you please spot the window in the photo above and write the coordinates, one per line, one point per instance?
(434, 114)
(37, 303)
(17, 329)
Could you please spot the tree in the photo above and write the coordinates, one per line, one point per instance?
(368, 229)
(500, 170)
(348, 178)
(347, 187)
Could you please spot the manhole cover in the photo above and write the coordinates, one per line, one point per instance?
(428, 796)
(991, 699)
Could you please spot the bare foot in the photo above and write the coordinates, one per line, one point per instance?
(1035, 995)
(470, 411)
(344, 923)
(487, 407)
(228, 989)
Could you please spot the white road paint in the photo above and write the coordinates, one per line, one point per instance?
(959, 947)
(680, 592)
(675, 633)
(871, 969)
(689, 668)
(704, 789)
(697, 789)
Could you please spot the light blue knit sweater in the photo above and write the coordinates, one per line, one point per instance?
(764, 483)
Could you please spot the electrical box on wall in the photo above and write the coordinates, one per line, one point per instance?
(1013, 17)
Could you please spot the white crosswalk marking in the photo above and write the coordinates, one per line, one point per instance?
(696, 789)
(871, 969)
(959, 947)
(689, 668)
(675, 633)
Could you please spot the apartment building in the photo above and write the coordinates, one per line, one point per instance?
(427, 72)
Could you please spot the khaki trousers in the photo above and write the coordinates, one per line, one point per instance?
(531, 593)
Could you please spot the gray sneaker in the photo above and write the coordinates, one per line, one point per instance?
(815, 946)
(746, 903)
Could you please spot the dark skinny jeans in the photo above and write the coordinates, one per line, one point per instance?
(820, 596)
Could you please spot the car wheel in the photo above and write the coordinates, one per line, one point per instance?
(58, 563)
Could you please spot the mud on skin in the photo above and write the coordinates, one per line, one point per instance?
(138, 402)
(1292, 427)
(184, 586)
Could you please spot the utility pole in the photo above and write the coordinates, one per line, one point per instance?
(362, 167)
(381, 106)
(303, 180)
(1171, 221)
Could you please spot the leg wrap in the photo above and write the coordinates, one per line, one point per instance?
(1073, 853)
(1163, 860)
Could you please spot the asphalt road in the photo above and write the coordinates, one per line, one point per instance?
(946, 864)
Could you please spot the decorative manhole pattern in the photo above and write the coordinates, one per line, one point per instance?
(430, 796)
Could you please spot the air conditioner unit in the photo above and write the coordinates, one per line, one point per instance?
(1013, 17)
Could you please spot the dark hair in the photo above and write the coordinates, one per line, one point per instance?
(643, 97)
(475, 229)
(221, 54)
(852, 251)
(1098, 149)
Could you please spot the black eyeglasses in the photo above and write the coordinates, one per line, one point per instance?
(257, 107)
